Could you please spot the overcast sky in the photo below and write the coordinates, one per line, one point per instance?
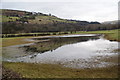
(89, 10)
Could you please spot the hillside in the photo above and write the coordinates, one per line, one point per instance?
(111, 22)
(16, 21)
(33, 17)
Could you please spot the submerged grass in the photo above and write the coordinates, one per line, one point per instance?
(34, 70)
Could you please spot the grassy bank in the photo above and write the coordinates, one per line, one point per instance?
(29, 70)
(14, 41)
(109, 34)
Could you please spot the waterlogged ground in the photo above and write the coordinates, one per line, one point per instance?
(76, 51)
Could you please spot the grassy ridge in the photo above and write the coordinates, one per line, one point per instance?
(39, 19)
(48, 19)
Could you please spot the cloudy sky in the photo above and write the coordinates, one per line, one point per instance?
(89, 10)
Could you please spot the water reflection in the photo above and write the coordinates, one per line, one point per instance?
(76, 51)
(78, 55)
(52, 43)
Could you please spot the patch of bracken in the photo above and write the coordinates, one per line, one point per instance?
(8, 74)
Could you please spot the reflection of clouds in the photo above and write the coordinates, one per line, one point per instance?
(99, 44)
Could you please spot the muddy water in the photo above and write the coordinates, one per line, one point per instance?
(76, 51)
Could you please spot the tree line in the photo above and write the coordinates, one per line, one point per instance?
(13, 27)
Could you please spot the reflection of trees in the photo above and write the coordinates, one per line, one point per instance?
(56, 42)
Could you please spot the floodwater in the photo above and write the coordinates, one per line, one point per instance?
(76, 51)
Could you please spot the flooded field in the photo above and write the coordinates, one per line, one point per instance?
(75, 51)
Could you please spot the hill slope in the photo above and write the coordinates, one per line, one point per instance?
(33, 17)
(15, 21)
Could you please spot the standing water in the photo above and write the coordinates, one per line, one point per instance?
(76, 51)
